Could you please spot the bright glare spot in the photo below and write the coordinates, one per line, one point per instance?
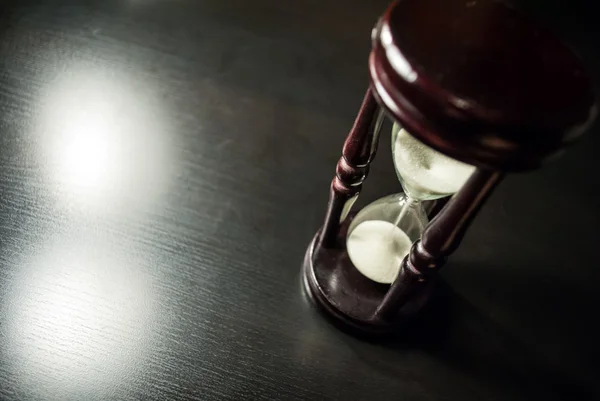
(86, 158)
(397, 60)
(104, 140)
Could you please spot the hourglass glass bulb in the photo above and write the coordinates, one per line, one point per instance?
(424, 172)
(377, 242)
(382, 234)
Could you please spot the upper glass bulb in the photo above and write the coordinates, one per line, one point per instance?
(425, 173)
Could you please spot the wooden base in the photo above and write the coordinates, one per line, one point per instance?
(344, 294)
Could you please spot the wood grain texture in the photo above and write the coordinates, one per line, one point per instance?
(156, 199)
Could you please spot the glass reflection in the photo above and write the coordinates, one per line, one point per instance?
(79, 321)
(104, 139)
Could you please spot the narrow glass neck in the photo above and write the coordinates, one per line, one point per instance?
(410, 201)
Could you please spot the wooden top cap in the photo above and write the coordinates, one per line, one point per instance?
(479, 81)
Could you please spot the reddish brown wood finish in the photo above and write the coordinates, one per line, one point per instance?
(348, 297)
(479, 81)
(352, 169)
(439, 240)
(475, 80)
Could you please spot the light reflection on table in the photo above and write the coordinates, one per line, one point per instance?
(83, 311)
(81, 315)
(103, 139)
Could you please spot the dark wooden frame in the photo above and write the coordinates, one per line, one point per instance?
(447, 108)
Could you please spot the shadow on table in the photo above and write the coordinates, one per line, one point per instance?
(456, 333)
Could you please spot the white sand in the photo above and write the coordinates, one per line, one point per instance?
(426, 172)
(377, 248)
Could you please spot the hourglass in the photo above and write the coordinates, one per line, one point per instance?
(475, 90)
(381, 235)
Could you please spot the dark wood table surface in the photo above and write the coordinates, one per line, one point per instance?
(163, 165)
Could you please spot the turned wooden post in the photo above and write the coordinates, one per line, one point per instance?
(352, 168)
(439, 240)
(475, 80)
